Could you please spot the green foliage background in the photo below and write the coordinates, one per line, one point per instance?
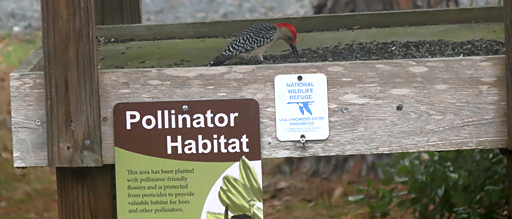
(465, 184)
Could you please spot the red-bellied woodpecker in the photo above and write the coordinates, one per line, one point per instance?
(256, 39)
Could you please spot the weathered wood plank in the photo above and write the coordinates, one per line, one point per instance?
(71, 81)
(330, 22)
(448, 104)
(112, 12)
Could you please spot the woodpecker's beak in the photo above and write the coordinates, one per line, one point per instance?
(294, 49)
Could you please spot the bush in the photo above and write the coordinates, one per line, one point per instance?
(466, 184)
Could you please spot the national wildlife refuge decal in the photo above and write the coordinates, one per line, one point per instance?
(188, 159)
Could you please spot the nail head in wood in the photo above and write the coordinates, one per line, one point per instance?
(302, 138)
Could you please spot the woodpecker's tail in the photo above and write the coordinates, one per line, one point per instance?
(219, 60)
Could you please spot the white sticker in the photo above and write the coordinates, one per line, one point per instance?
(301, 107)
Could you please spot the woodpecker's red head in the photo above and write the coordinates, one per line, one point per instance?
(291, 32)
(288, 33)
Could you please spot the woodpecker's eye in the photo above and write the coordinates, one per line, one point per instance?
(290, 38)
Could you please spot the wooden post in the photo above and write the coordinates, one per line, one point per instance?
(111, 12)
(508, 53)
(86, 192)
(71, 80)
(73, 108)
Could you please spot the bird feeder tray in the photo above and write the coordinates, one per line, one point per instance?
(446, 103)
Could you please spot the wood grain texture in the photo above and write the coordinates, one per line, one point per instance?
(71, 81)
(112, 12)
(448, 104)
(331, 22)
(508, 54)
(86, 192)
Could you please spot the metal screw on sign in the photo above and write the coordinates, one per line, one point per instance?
(303, 140)
(185, 108)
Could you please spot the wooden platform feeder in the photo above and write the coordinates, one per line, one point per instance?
(446, 103)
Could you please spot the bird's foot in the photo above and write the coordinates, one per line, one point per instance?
(259, 60)
(265, 62)
(255, 59)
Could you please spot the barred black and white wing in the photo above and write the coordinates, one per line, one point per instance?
(250, 39)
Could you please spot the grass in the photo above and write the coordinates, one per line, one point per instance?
(24, 193)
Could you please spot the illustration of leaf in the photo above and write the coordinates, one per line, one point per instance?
(235, 203)
(211, 215)
(235, 194)
(248, 177)
(238, 187)
(258, 213)
(257, 209)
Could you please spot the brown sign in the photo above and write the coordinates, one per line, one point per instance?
(200, 130)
